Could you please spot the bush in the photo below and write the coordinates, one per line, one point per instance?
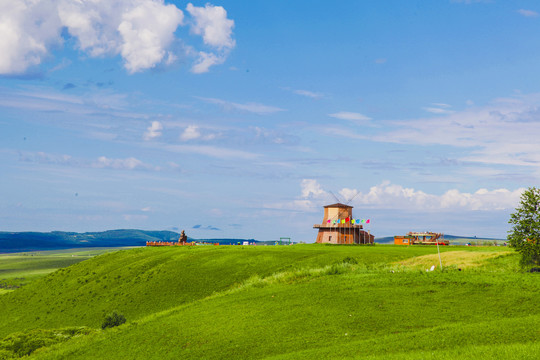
(112, 320)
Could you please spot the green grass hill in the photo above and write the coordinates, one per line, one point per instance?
(289, 302)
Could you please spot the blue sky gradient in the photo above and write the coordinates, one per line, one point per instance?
(241, 118)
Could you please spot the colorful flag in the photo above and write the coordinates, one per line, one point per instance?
(343, 221)
(367, 221)
(347, 219)
(328, 221)
(352, 221)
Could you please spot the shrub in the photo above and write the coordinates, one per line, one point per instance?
(112, 320)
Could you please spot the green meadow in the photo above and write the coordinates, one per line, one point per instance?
(19, 269)
(279, 302)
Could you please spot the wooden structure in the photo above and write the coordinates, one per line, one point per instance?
(339, 227)
(421, 238)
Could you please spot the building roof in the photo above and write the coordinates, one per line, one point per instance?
(338, 205)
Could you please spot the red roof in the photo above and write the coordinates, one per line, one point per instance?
(338, 205)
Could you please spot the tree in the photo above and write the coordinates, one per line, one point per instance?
(525, 234)
(112, 320)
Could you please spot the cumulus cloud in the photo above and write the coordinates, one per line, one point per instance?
(25, 41)
(205, 61)
(147, 30)
(140, 31)
(153, 130)
(190, 133)
(388, 196)
(311, 188)
(393, 196)
(194, 132)
(212, 24)
(351, 116)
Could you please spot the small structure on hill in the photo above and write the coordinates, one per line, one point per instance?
(421, 238)
(182, 241)
(183, 237)
(339, 227)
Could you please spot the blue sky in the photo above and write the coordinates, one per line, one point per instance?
(241, 118)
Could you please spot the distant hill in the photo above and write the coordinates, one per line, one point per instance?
(454, 239)
(35, 241)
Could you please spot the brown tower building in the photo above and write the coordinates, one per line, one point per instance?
(339, 227)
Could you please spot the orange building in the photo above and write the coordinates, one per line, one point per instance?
(339, 227)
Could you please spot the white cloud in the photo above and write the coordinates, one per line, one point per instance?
(249, 107)
(310, 94)
(439, 108)
(102, 162)
(141, 31)
(211, 22)
(388, 196)
(28, 29)
(205, 61)
(351, 116)
(216, 30)
(311, 188)
(193, 132)
(153, 130)
(190, 133)
(527, 13)
(391, 196)
(147, 30)
(120, 164)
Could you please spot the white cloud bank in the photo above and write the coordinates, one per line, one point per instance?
(140, 31)
(388, 196)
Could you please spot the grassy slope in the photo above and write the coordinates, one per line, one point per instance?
(340, 311)
(143, 281)
(355, 313)
(20, 269)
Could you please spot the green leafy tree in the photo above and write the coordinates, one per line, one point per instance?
(525, 234)
(112, 320)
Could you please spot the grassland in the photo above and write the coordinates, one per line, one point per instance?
(19, 269)
(294, 302)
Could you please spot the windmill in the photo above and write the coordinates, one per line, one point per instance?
(337, 214)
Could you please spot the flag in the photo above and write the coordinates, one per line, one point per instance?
(352, 221)
(328, 221)
(343, 221)
(347, 219)
(367, 221)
